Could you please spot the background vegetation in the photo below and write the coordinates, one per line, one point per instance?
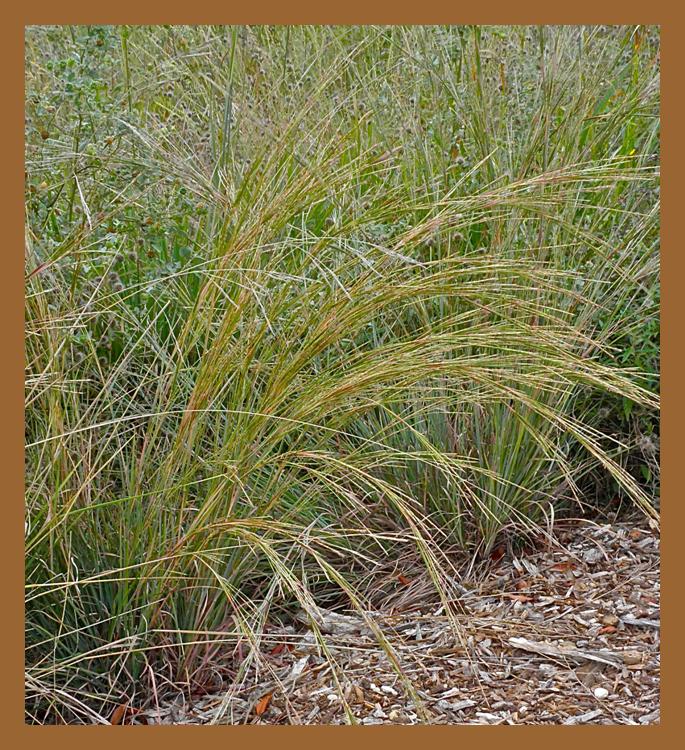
(304, 300)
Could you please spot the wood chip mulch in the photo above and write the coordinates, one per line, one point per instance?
(567, 635)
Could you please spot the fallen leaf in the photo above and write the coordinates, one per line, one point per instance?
(497, 554)
(277, 649)
(263, 704)
(404, 580)
(606, 630)
(562, 567)
(118, 714)
(520, 597)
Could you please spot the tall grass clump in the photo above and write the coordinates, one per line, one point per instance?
(300, 300)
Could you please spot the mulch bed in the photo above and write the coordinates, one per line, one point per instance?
(566, 635)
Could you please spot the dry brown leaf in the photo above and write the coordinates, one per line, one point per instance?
(562, 567)
(523, 598)
(404, 580)
(118, 714)
(263, 704)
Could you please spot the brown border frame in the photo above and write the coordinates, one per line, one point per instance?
(352, 12)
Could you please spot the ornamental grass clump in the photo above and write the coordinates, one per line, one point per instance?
(301, 300)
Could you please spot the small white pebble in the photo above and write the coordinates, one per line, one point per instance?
(371, 720)
(332, 697)
(600, 693)
(388, 690)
